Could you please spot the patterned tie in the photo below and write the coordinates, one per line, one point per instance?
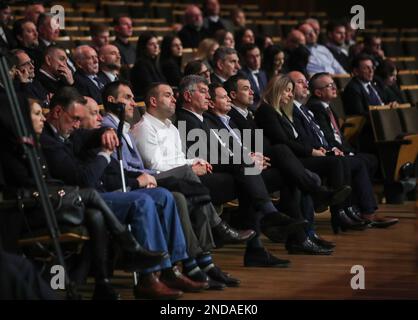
(99, 84)
(315, 128)
(373, 97)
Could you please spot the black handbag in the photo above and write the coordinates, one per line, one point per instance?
(66, 201)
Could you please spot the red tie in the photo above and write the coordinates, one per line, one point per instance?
(333, 121)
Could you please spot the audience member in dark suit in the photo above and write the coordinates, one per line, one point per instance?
(336, 43)
(361, 166)
(251, 55)
(146, 69)
(281, 157)
(110, 63)
(123, 30)
(273, 61)
(27, 38)
(360, 93)
(252, 193)
(7, 40)
(25, 74)
(48, 30)
(54, 72)
(226, 64)
(170, 60)
(212, 21)
(193, 31)
(86, 77)
(386, 81)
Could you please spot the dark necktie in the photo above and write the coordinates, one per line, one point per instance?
(99, 84)
(373, 97)
(315, 128)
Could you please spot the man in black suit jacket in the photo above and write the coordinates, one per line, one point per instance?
(110, 63)
(282, 158)
(257, 77)
(86, 77)
(226, 64)
(212, 21)
(194, 96)
(361, 166)
(55, 73)
(7, 40)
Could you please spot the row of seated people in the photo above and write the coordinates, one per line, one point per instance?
(67, 111)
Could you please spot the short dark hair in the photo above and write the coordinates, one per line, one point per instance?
(332, 25)
(248, 47)
(51, 48)
(152, 91)
(18, 26)
(212, 89)
(314, 79)
(359, 58)
(111, 89)
(116, 20)
(221, 53)
(66, 97)
(232, 83)
(193, 67)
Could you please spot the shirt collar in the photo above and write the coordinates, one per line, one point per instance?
(224, 118)
(110, 75)
(242, 111)
(196, 114)
(157, 122)
(126, 125)
(220, 78)
(48, 75)
(325, 105)
(214, 18)
(297, 104)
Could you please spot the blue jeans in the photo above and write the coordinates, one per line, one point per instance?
(154, 219)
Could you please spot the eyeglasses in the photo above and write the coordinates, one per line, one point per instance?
(204, 72)
(27, 63)
(302, 81)
(330, 85)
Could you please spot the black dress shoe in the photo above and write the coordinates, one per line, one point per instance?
(378, 221)
(307, 247)
(135, 256)
(322, 242)
(283, 223)
(339, 220)
(224, 234)
(201, 276)
(261, 258)
(325, 197)
(218, 275)
(354, 215)
(104, 291)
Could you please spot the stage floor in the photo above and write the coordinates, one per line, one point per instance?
(389, 258)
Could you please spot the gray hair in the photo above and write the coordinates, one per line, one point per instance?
(188, 84)
(221, 53)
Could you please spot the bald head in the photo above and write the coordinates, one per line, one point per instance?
(294, 39)
(193, 16)
(309, 33)
(93, 118)
(301, 86)
(86, 59)
(314, 24)
(109, 57)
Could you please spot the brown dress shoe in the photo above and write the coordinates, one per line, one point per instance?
(150, 287)
(173, 278)
(378, 221)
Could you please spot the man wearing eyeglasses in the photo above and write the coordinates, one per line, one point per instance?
(361, 166)
(25, 72)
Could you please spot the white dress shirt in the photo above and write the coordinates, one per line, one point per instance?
(159, 144)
